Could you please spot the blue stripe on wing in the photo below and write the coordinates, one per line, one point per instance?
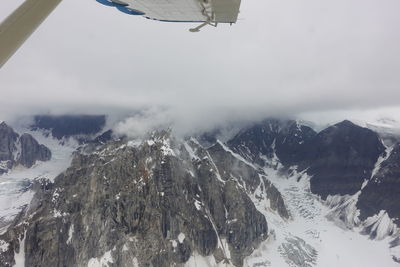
(121, 7)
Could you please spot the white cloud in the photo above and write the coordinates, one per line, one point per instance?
(282, 57)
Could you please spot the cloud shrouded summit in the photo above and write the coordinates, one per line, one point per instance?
(282, 57)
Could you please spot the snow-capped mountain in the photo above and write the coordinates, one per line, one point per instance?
(275, 194)
(19, 150)
(41, 157)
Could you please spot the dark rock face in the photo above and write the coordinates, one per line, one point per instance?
(32, 151)
(284, 137)
(155, 204)
(209, 138)
(160, 202)
(229, 166)
(340, 158)
(8, 139)
(383, 190)
(241, 234)
(290, 143)
(104, 137)
(13, 237)
(275, 198)
(15, 149)
(70, 125)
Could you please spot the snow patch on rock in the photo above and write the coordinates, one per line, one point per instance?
(343, 210)
(198, 204)
(381, 159)
(135, 262)
(181, 237)
(70, 234)
(310, 238)
(379, 226)
(103, 261)
(20, 256)
(191, 151)
(14, 193)
(3, 245)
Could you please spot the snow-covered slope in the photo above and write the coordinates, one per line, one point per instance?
(313, 236)
(301, 228)
(14, 185)
(310, 238)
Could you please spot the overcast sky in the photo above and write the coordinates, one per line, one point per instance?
(282, 57)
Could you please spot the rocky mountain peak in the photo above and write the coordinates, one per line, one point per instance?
(347, 132)
(32, 151)
(163, 136)
(341, 157)
(383, 189)
(104, 137)
(3, 124)
(272, 137)
(15, 149)
(157, 203)
(166, 201)
(8, 139)
(345, 123)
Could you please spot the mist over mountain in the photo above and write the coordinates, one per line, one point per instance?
(273, 192)
(69, 125)
(273, 142)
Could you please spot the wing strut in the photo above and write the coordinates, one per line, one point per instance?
(17, 27)
(209, 21)
(197, 29)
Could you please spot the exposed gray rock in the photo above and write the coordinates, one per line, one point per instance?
(15, 149)
(285, 138)
(160, 202)
(231, 166)
(156, 204)
(297, 252)
(79, 126)
(8, 139)
(383, 190)
(275, 198)
(340, 158)
(5, 166)
(32, 151)
(104, 137)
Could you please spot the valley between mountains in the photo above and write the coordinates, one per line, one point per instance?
(275, 193)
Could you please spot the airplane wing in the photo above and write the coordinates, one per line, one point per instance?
(17, 27)
(210, 11)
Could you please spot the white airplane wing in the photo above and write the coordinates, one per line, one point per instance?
(17, 27)
(211, 11)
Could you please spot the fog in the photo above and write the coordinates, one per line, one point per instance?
(283, 58)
